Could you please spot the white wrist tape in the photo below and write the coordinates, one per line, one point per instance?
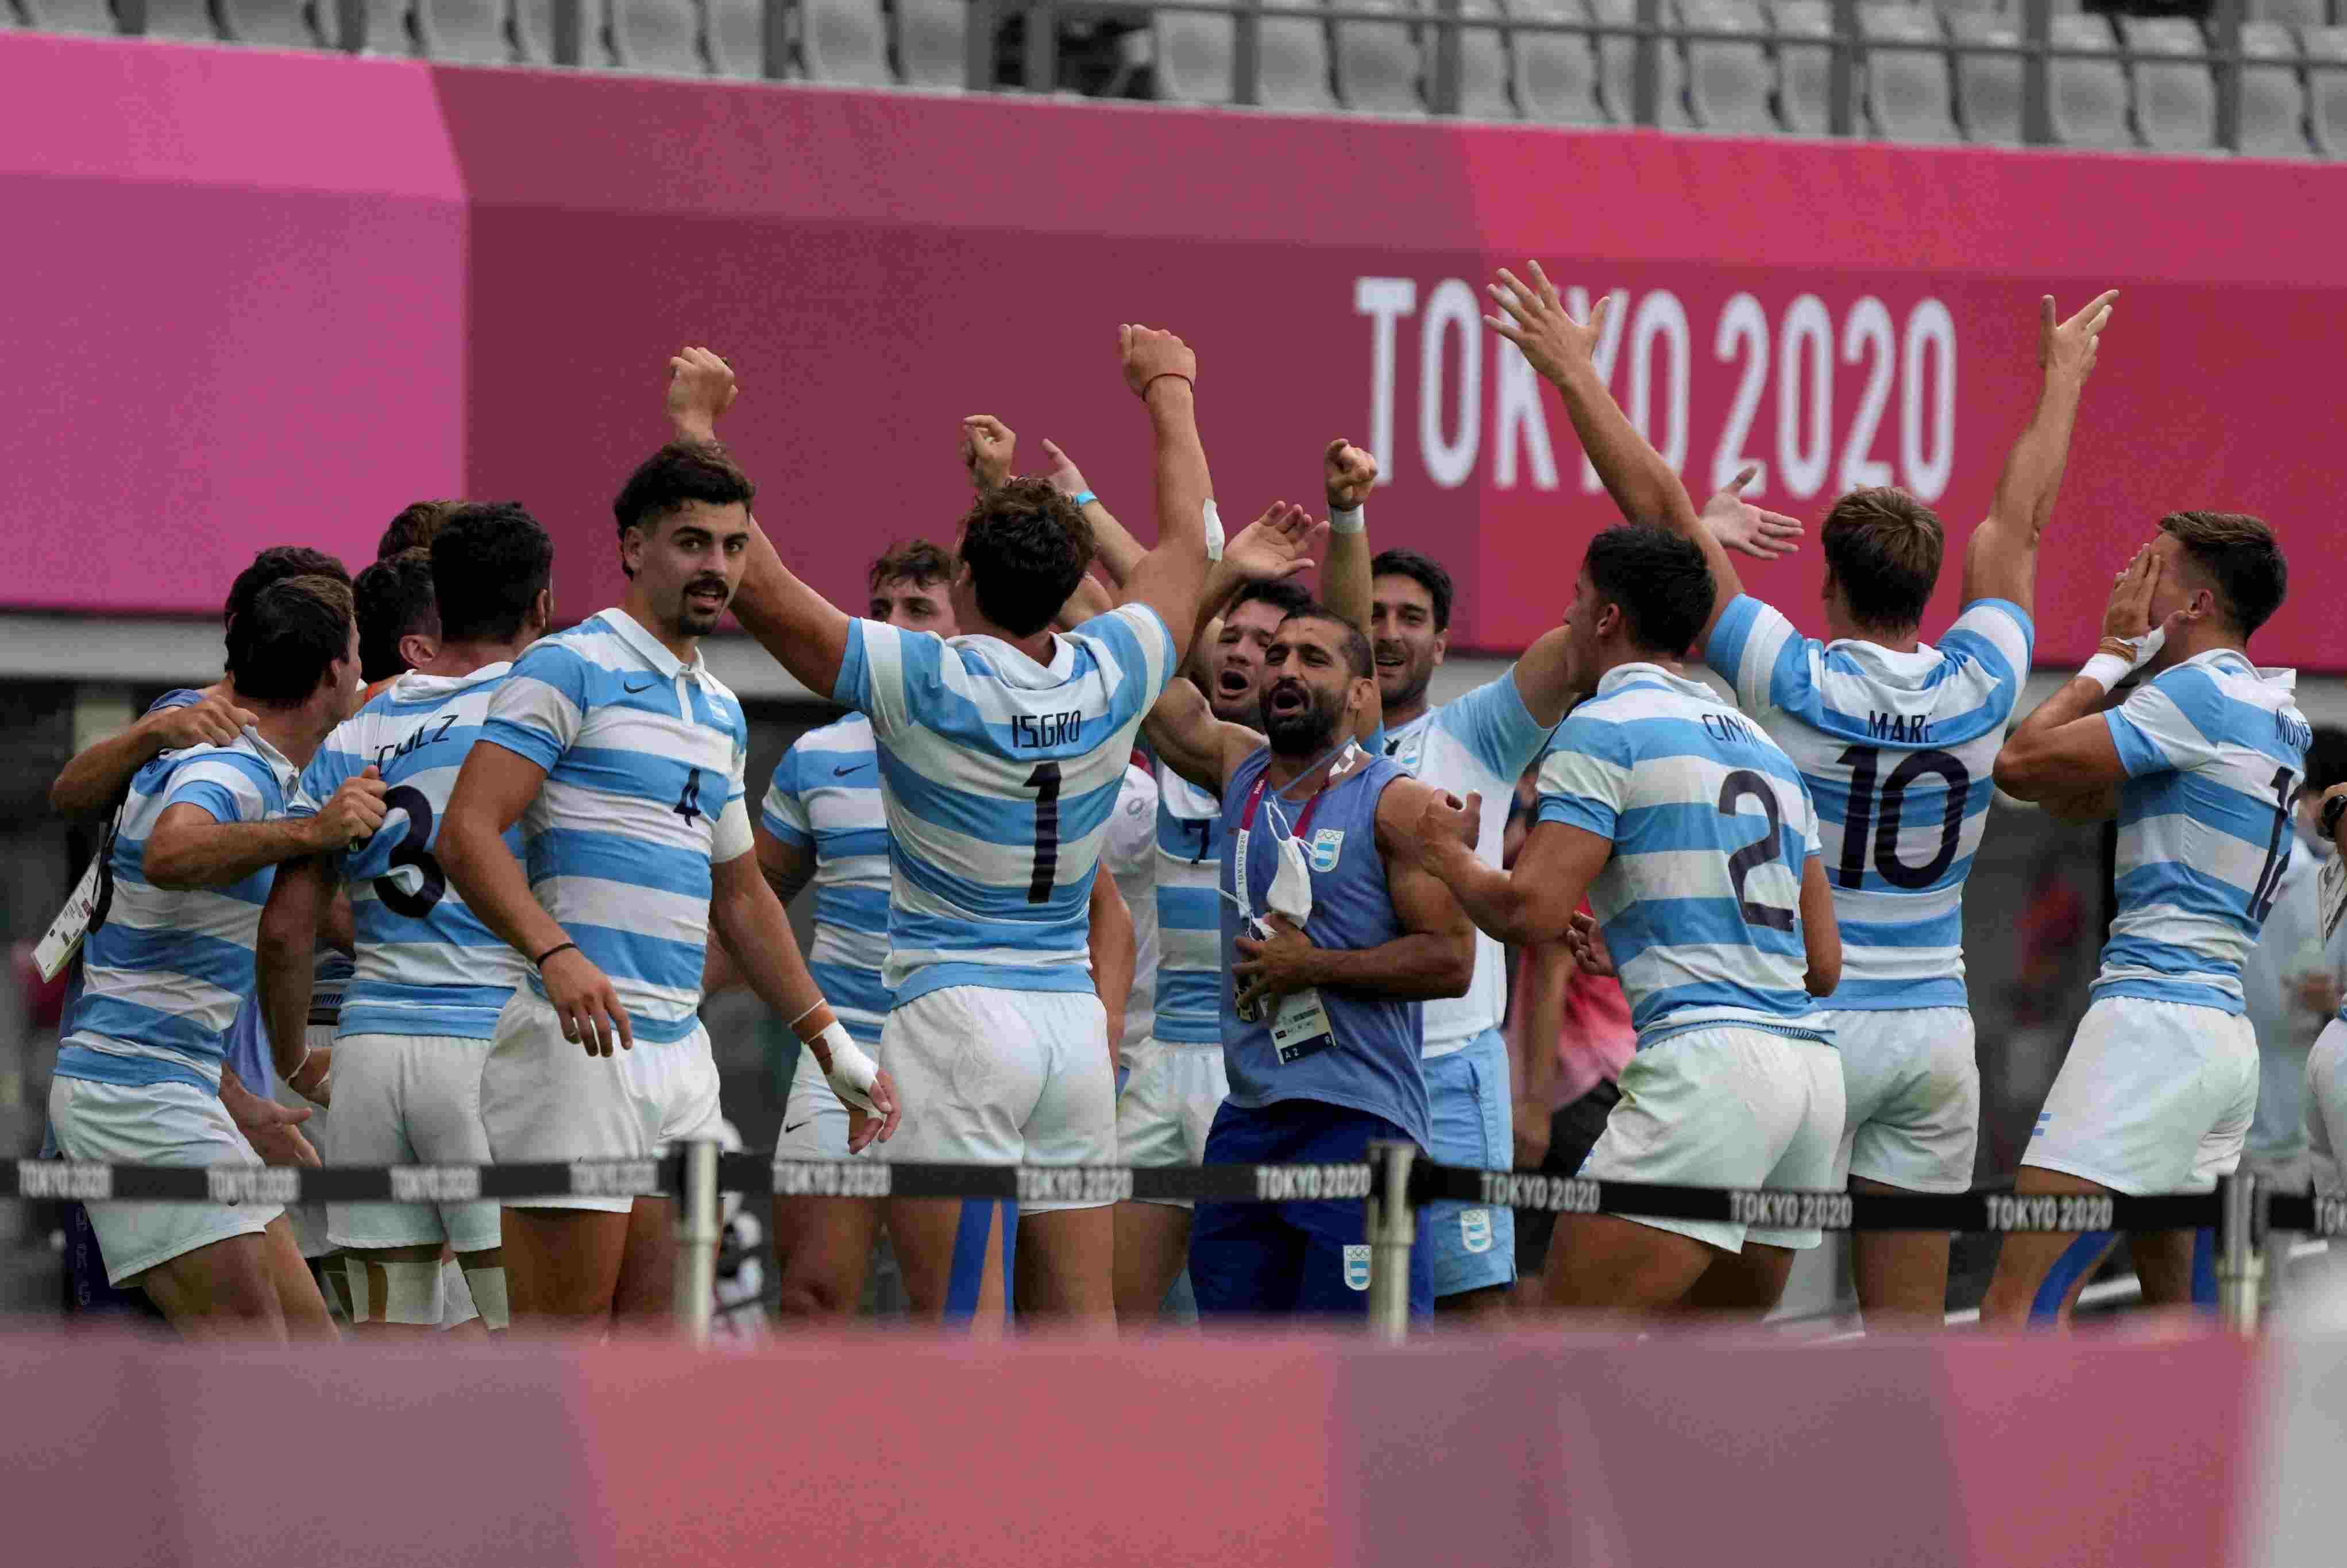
(1213, 533)
(2105, 669)
(851, 1072)
(2146, 649)
(1348, 520)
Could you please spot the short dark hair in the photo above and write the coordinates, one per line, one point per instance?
(1660, 582)
(677, 474)
(1284, 595)
(2239, 553)
(1355, 643)
(414, 526)
(1883, 548)
(392, 598)
(2326, 759)
(281, 646)
(1430, 575)
(490, 560)
(1026, 547)
(275, 564)
(915, 561)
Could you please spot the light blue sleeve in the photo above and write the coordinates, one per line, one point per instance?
(538, 710)
(1584, 775)
(2170, 725)
(784, 812)
(1493, 722)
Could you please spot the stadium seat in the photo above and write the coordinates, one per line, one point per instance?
(2297, 12)
(390, 30)
(2174, 106)
(1556, 73)
(737, 39)
(2274, 99)
(1988, 86)
(1617, 68)
(1804, 70)
(1907, 93)
(470, 32)
(1483, 65)
(661, 35)
(845, 42)
(1193, 57)
(1377, 62)
(1728, 84)
(191, 19)
(534, 32)
(932, 39)
(2087, 99)
(71, 15)
(1292, 58)
(2326, 88)
(274, 23)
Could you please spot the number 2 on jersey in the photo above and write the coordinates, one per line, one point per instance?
(1045, 781)
(1769, 846)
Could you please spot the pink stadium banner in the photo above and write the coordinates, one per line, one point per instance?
(272, 297)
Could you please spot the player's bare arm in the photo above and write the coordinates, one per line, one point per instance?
(190, 849)
(2064, 748)
(99, 772)
(749, 919)
(787, 867)
(1113, 544)
(1115, 953)
(1276, 546)
(492, 791)
(1820, 933)
(1195, 744)
(2001, 561)
(285, 962)
(1348, 475)
(1531, 904)
(1163, 372)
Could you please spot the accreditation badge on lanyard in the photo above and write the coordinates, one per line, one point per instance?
(2330, 893)
(1299, 1022)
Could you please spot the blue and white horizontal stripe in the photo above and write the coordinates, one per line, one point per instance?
(164, 976)
(440, 972)
(964, 728)
(825, 801)
(1925, 725)
(1479, 744)
(1646, 762)
(1189, 918)
(2215, 749)
(643, 793)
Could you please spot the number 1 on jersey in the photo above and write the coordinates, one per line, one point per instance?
(2269, 887)
(1045, 781)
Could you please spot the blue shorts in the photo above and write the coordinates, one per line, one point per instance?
(1269, 1260)
(1472, 1246)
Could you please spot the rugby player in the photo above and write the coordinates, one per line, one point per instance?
(621, 758)
(2326, 1063)
(1894, 738)
(2202, 766)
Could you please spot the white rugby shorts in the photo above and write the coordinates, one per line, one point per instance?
(2326, 1109)
(410, 1099)
(814, 1123)
(1168, 1105)
(1725, 1107)
(154, 1124)
(309, 1216)
(544, 1097)
(990, 1077)
(2154, 1097)
(1911, 1096)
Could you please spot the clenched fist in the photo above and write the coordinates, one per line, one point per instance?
(1149, 353)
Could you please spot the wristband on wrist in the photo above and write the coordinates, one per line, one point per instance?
(1161, 376)
(539, 962)
(2105, 669)
(1083, 498)
(299, 1067)
(1347, 519)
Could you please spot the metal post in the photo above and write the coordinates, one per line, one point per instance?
(2228, 20)
(130, 15)
(569, 31)
(1246, 53)
(1646, 65)
(351, 17)
(2241, 1266)
(774, 41)
(1443, 91)
(697, 1235)
(1841, 71)
(977, 44)
(1392, 1228)
(1042, 48)
(2036, 97)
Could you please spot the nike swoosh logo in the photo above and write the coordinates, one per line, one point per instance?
(633, 691)
(852, 767)
(796, 1126)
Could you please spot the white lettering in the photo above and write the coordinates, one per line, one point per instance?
(1868, 326)
(1517, 413)
(1660, 315)
(62, 1181)
(1075, 1185)
(1743, 324)
(252, 1184)
(1310, 1183)
(1384, 300)
(615, 1178)
(831, 1179)
(1930, 330)
(436, 1184)
(1450, 460)
(1808, 331)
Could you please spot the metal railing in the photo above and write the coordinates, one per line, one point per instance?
(1846, 48)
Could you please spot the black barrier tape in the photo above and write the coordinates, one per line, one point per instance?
(761, 1176)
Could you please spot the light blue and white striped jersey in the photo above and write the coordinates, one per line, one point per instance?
(1189, 913)
(427, 965)
(825, 801)
(998, 775)
(1897, 750)
(165, 973)
(1480, 742)
(643, 756)
(1712, 828)
(2215, 750)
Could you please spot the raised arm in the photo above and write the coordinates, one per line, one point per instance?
(2001, 561)
(1188, 738)
(1348, 475)
(1163, 372)
(1118, 551)
(100, 773)
(2065, 749)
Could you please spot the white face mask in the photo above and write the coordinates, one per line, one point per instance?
(1291, 884)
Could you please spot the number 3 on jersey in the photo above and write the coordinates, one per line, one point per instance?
(432, 883)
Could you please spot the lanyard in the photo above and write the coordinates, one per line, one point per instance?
(1241, 875)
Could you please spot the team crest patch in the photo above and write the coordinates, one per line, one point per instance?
(1326, 845)
(1475, 1229)
(1356, 1267)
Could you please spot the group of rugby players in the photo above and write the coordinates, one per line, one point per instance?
(422, 868)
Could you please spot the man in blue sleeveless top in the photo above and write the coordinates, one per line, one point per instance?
(1332, 940)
